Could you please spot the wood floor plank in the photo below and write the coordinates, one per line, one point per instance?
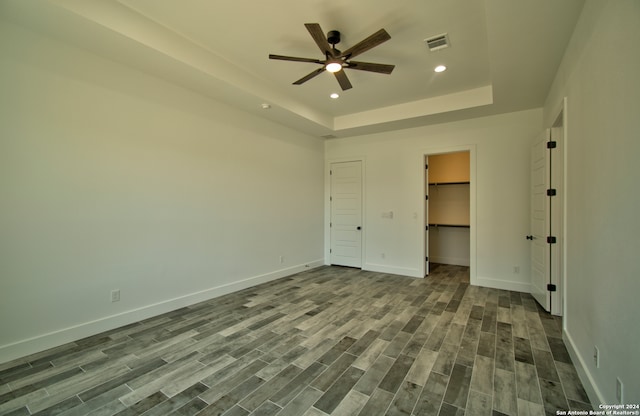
(430, 400)
(370, 355)
(553, 396)
(333, 372)
(458, 388)
(446, 359)
(405, 399)
(527, 382)
(571, 383)
(526, 408)
(351, 405)
(377, 404)
(253, 400)
(422, 366)
(504, 395)
(479, 404)
(106, 403)
(283, 396)
(338, 390)
(482, 375)
(399, 369)
(302, 403)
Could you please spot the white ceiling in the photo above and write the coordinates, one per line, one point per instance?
(503, 54)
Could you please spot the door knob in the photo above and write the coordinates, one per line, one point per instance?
(359, 228)
(529, 237)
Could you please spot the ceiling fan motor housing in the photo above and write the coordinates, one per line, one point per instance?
(333, 37)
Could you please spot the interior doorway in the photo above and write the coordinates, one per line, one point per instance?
(447, 210)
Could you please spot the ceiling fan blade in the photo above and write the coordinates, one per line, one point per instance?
(372, 41)
(318, 36)
(309, 76)
(343, 80)
(294, 58)
(371, 67)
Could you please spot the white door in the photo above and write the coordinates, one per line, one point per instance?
(556, 162)
(426, 215)
(540, 222)
(346, 214)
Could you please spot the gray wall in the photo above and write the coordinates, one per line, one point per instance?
(113, 179)
(599, 77)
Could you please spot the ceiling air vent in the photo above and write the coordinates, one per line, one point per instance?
(437, 42)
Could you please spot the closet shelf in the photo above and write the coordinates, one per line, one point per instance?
(449, 183)
(450, 225)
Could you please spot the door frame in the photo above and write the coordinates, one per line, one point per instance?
(559, 209)
(556, 128)
(471, 148)
(327, 207)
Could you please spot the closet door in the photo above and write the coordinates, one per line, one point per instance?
(346, 214)
(540, 220)
(426, 215)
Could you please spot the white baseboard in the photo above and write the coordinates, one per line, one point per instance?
(383, 268)
(450, 260)
(503, 284)
(589, 384)
(57, 338)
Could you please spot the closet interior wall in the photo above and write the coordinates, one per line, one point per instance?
(449, 208)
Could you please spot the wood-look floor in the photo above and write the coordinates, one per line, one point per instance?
(329, 341)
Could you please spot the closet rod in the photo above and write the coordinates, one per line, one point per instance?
(449, 183)
(450, 225)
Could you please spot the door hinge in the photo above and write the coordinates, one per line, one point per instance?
(551, 144)
(426, 259)
(551, 240)
(426, 228)
(330, 199)
(551, 288)
(551, 192)
(426, 197)
(330, 251)
(330, 172)
(426, 167)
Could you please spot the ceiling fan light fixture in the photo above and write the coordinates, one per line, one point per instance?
(335, 95)
(333, 66)
(440, 68)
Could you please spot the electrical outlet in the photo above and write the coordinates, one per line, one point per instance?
(596, 356)
(281, 259)
(516, 269)
(619, 390)
(382, 255)
(115, 295)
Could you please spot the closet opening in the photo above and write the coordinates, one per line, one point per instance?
(447, 209)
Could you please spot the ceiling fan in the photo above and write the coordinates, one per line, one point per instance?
(335, 61)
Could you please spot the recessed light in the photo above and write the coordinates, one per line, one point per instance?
(334, 96)
(440, 68)
(265, 106)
